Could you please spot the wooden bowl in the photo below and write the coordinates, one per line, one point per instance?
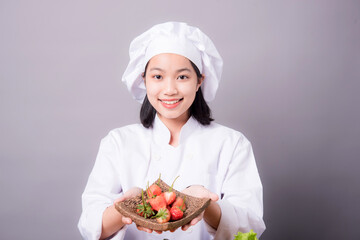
(194, 206)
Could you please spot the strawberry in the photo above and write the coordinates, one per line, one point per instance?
(179, 202)
(157, 202)
(163, 215)
(144, 209)
(176, 213)
(154, 189)
(170, 195)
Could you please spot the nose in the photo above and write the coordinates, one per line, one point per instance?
(170, 87)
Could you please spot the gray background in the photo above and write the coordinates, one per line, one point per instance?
(290, 83)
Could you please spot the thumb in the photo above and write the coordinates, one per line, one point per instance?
(214, 196)
(120, 199)
(126, 220)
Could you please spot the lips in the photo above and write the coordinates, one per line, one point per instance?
(170, 103)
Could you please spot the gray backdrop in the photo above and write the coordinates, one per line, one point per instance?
(290, 83)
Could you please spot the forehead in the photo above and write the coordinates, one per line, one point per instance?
(169, 60)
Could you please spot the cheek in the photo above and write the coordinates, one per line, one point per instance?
(190, 89)
(152, 96)
(151, 88)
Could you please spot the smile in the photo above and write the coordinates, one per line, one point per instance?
(170, 103)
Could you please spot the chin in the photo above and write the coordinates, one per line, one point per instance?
(171, 115)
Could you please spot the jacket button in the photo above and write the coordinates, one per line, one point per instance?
(189, 156)
(157, 157)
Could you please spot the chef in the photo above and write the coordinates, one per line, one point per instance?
(174, 71)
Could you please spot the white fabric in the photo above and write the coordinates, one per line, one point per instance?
(174, 44)
(217, 157)
(178, 38)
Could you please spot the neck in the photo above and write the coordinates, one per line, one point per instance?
(174, 126)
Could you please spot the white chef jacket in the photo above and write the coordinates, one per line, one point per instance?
(219, 158)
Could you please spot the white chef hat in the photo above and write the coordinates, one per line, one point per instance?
(178, 38)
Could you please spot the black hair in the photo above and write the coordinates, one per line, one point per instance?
(199, 109)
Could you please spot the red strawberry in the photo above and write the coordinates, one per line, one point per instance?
(154, 189)
(144, 209)
(176, 213)
(157, 202)
(163, 215)
(170, 195)
(179, 202)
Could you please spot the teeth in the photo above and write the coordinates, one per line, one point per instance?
(171, 102)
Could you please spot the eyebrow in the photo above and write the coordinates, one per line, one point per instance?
(156, 69)
(183, 69)
(178, 71)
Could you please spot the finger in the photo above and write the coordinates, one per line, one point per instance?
(144, 229)
(134, 192)
(195, 221)
(126, 220)
(185, 227)
(214, 196)
(120, 199)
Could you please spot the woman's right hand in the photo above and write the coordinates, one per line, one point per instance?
(112, 220)
(135, 191)
(132, 192)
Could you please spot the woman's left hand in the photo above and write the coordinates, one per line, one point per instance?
(200, 192)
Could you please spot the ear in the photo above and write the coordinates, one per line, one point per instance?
(143, 77)
(200, 81)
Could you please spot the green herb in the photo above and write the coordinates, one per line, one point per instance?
(246, 236)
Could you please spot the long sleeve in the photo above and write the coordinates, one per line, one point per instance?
(242, 204)
(132, 155)
(102, 188)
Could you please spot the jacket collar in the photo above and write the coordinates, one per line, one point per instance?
(162, 134)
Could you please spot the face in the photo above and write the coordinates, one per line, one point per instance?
(171, 85)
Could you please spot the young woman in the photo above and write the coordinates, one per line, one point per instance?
(174, 70)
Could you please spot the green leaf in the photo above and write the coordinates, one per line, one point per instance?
(246, 236)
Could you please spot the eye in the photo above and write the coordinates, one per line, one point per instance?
(182, 77)
(158, 77)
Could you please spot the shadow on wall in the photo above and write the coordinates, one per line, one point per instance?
(309, 198)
